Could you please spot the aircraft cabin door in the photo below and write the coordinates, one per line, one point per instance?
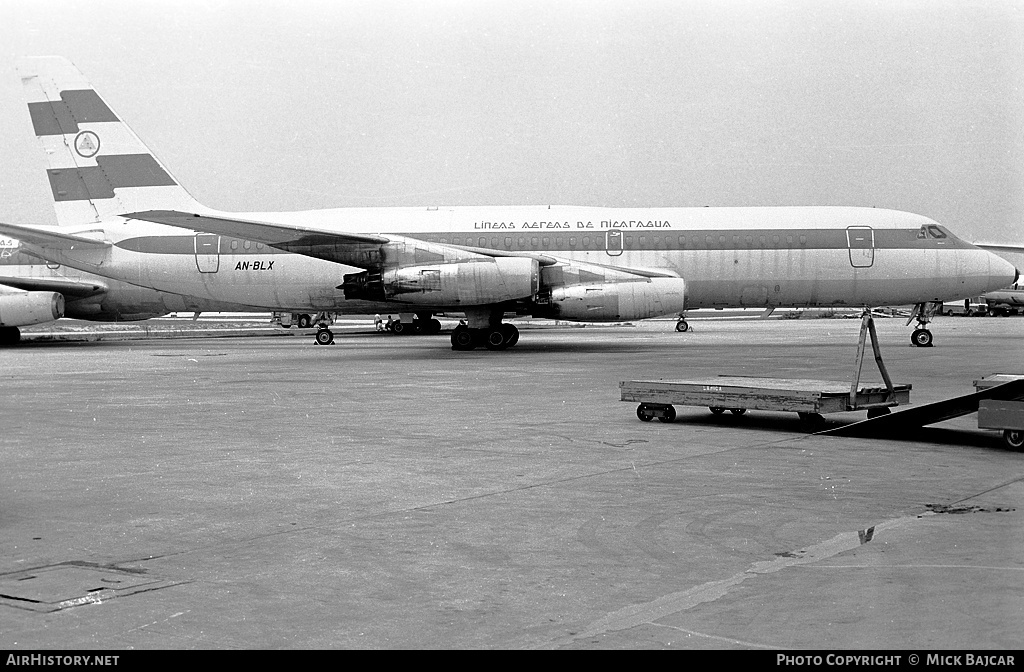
(613, 242)
(861, 241)
(207, 252)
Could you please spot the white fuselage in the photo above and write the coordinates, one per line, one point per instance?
(756, 257)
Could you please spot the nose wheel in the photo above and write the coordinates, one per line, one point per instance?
(324, 337)
(922, 338)
(923, 313)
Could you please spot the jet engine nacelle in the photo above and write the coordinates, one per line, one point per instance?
(468, 283)
(617, 300)
(18, 310)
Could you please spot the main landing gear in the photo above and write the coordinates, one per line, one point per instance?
(422, 323)
(497, 338)
(484, 328)
(923, 313)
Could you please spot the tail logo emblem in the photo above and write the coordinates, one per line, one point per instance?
(87, 144)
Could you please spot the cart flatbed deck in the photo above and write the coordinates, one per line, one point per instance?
(809, 398)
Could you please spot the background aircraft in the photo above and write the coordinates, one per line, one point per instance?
(35, 292)
(130, 220)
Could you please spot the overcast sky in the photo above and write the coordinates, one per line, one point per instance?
(916, 105)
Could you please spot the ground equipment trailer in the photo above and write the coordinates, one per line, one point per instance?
(738, 394)
(1007, 415)
(809, 398)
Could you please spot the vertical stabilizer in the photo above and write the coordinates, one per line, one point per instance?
(96, 165)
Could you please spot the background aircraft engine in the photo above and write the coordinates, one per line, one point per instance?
(470, 283)
(18, 310)
(617, 300)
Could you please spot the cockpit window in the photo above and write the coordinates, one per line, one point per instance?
(931, 231)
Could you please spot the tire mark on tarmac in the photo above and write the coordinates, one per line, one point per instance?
(649, 612)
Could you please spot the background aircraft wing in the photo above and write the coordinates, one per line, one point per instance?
(78, 289)
(1018, 249)
(50, 237)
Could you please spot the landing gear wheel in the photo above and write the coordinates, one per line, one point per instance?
(462, 339)
(324, 337)
(511, 333)
(1013, 438)
(668, 414)
(496, 340)
(644, 413)
(717, 410)
(922, 338)
(9, 335)
(877, 412)
(305, 321)
(737, 411)
(682, 325)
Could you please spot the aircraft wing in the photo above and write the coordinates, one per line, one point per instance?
(281, 236)
(357, 248)
(1016, 249)
(51, 237)
(552, 260)
(78, 289)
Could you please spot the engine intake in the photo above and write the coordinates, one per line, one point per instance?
(611, 301)
(18, 310)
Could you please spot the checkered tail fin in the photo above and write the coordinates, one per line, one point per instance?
(96, 165)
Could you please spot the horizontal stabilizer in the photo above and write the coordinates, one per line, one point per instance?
(50, 237)
(275, 235)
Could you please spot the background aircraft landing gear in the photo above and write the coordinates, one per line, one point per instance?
(682, 325)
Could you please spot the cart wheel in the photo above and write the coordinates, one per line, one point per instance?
(812, 421)
(1013, 438)
(669, 414)
(717, 410)
(644, 413)
(737, 411)
(878, 412)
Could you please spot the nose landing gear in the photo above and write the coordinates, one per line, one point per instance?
(923, 313)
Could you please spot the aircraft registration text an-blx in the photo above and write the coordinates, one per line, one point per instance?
(122, 215)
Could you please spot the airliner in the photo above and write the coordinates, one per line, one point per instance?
(123, 216)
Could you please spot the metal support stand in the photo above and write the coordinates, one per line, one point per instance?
(867, 326)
